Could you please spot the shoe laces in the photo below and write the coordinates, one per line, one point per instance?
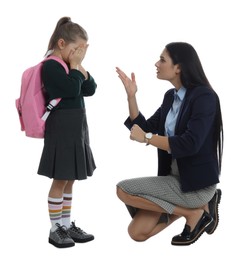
(62, 231)
(76, 229)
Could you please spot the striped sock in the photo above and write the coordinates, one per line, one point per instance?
(67, 200)
(55, 206)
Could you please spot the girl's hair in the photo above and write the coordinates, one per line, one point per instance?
(192, 75)
(67, 30)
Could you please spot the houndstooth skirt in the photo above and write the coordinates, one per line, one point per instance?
(165, 191)
(66, 153)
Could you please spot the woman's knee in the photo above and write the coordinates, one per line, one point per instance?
(136, 234)
(121, 194)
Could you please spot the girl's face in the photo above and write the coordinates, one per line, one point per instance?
(66, 49)
(166, 70)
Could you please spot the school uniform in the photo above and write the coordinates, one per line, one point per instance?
(66, 153)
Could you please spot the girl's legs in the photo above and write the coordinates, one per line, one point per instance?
(77, 234)
(57, 204)
(57, 188)
(146, 222)
(67, 203)
(58, 236)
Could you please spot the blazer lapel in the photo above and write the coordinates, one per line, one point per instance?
(182, 108)
(167, 104)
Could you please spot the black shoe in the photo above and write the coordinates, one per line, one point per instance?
(186, 237)
(79, 235)
(214, 211)
(60, 238)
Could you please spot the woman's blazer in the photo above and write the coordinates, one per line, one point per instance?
(193, 145)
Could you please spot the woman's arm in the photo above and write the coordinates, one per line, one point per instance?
(161, 142)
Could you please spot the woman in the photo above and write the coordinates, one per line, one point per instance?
(187, 132)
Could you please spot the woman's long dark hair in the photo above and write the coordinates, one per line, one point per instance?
(193, 75)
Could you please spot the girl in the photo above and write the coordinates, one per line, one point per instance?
(187, 131)
(66, 155)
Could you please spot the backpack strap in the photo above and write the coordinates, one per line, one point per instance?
(55, 101)
(52, 57)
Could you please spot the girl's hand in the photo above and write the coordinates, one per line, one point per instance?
(77, 55)
(129, 83)
(137, 134)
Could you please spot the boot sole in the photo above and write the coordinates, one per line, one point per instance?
(215, 223)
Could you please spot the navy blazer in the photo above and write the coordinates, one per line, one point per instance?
(193, 145)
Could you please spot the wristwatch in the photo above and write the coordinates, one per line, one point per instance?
(148, 136)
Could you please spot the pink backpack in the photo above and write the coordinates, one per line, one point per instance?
(31, 104)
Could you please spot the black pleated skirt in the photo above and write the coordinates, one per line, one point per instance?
(66, 153)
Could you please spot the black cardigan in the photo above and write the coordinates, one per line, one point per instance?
(70, 87)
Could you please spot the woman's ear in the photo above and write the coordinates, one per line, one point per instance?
(61, 43)
(177, 69)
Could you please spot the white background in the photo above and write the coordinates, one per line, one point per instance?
(131, 35)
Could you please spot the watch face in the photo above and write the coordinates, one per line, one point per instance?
(148, 135)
